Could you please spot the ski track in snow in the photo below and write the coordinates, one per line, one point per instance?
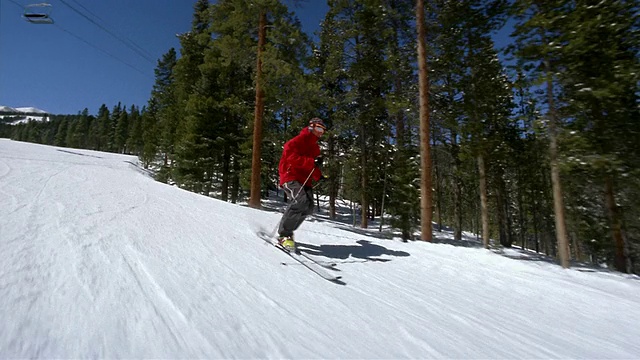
(99, 260)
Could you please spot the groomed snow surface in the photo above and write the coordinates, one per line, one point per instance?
(101, 261)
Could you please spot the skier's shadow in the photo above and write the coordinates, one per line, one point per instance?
(365, 250)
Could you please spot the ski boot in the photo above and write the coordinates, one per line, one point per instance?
(287, 243)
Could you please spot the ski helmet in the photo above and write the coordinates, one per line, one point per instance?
(317, 122)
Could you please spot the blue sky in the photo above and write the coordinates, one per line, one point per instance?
(74, 64)
(65, 67)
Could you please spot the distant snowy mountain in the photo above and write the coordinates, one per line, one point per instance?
(25, 110)
(31, 110)
(8, 109)
(22, 114)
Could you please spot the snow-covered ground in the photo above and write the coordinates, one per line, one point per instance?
(99, 260)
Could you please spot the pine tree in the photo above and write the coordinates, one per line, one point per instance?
(278, 57)
(110, 131)
(329, 62)
(61, 133)
(135, 141)
(100, 128)
(536, 37)
(366, 71)
(121, 132)
(150, 134)
(447, 71)
(403, 192)
(291, 95)
(190, 103)
(160, 123)
(232, 56)
(600, 77)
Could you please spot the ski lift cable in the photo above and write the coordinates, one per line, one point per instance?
(109, 32)
(89, 11)
(104, 22)
(135, 48)
(101, 50)
(90, 44)
(16, 4)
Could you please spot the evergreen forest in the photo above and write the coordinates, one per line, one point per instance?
(530, 143)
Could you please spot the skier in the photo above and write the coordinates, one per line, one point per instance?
(299, 165)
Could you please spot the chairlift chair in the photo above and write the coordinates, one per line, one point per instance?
(38, 13)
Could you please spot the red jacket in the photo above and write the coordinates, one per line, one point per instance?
(298, 159)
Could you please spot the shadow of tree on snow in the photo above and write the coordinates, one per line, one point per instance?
(468, 243)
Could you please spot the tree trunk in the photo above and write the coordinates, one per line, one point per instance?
(621, 260)
(484, 203)
(226, 166)
(504, 216)
(457, 188)
(426, 205)
(353, 213)
(384, 194)
(364, 219)
(438, 189)
(235, 180)
(333, 180)
(502, 235)
(477, 222)
(536, 238)
(521, 218)
(577, 247)
(256, 163)
(558, 206)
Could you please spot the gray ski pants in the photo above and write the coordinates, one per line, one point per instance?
(301, 206)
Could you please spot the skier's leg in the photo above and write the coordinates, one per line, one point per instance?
(306, 207)
(296, 212)
(306, 198)
(310, 205)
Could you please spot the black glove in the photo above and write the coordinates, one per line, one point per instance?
(319, 162)
(323, 178)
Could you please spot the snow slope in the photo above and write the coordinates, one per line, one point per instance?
(99, 260)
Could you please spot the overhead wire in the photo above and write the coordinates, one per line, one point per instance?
(88, 11)
(101, 50)
(90, 44)
(133, 43)
(22, 7)
(127, 44)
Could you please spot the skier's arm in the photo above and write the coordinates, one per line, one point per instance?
(317, 173)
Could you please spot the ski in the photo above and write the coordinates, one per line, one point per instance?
(330, 266)
(316, 267)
